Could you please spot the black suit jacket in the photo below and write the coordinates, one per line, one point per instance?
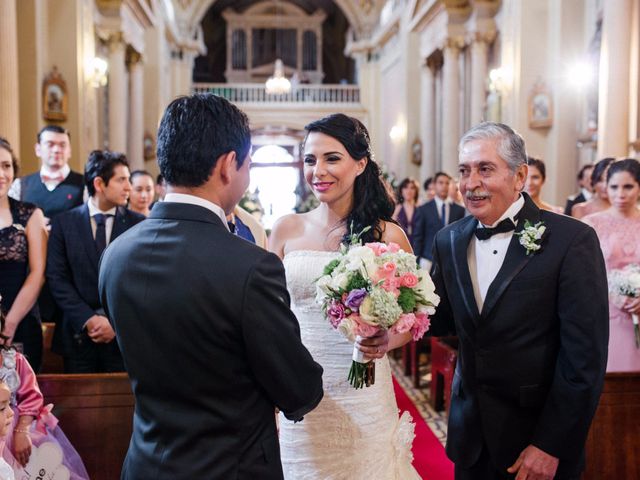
(531, 365)
(571, 201)
(428, 223)
(203, 322)
(72, 266)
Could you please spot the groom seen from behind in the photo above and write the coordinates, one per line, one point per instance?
(202, 316)
(533, 345)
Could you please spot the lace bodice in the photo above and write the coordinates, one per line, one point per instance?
(352, 434)
(13, 238)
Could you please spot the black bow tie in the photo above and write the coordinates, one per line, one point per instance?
(504, 226)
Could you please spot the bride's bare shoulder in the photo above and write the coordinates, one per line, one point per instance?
(286, 228)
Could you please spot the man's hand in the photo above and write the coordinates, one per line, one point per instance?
(534, 464)
(99, 329)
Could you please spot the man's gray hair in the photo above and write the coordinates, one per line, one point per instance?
(510, 143)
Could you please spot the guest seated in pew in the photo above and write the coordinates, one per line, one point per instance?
(34, 424)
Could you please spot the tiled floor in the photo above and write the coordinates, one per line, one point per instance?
(437, 421)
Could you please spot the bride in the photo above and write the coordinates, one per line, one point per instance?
(352, 434)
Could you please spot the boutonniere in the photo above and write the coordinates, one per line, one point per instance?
(531, 236)
(18, 227)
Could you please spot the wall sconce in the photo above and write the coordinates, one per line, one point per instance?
(397, 133)
(97, 72)
(581, 74)
(499, 79)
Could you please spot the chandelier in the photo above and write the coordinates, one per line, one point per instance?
(278, 84)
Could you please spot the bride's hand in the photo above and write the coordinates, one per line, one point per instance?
(375, 346)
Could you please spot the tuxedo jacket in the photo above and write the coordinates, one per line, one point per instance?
(211, 347)
(531, 364)
(428, 223)
(72, 267)
(571, 201)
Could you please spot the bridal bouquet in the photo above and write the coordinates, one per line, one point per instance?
(626, 282)
(373, 287)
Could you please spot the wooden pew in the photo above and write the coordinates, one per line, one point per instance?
(613, 444)
(51, 362)
(96, 414)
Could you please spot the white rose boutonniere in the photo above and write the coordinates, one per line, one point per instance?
(531, 236)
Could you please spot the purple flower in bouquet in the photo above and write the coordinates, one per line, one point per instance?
(355, 298)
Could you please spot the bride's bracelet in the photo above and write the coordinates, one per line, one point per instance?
(21, 430)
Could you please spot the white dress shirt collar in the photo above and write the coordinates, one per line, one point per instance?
(94, 209)
(193, 200)
(586, 193)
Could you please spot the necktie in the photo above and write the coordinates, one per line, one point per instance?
(232, 227)
(101, 232)
(444, 213)
(504, 226)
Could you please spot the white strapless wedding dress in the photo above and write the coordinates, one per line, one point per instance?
(352, 434)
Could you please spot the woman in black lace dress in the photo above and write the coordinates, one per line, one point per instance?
(23, 252)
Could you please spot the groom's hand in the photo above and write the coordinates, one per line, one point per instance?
(375, 346)
(534, 464)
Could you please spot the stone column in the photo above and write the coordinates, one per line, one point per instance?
(479, 67)
(135, 150)
(451, 106)
(117, 94)
(427, 120)
(613, 98)
(9, 103)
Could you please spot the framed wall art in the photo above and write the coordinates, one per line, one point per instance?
(54, 97)
(540, 107)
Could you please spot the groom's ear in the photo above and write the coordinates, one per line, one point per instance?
(226, 166)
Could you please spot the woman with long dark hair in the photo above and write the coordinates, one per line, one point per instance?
(618, 230)
(408, 194)
(600, 199)
(352, 433)
(23, 253)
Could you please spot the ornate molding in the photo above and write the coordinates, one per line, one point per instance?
(482, 37)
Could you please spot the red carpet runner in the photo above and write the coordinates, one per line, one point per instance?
(429, 458)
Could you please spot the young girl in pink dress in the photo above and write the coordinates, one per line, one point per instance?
(618, 229)
(6, 420)
(37, 443)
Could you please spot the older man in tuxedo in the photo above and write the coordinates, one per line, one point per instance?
(533, 346)
(202, 316)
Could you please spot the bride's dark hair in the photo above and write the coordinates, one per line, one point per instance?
(372, 200)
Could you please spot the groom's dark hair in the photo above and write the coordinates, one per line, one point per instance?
(194, 132)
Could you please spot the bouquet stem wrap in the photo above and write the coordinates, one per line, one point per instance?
(363, 371)
(636, 328)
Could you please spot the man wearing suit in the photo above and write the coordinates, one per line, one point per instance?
(78, 238)
(202, 316)
(584, 180)
(532, 344)
(433, 216)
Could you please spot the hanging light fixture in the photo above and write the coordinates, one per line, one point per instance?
(278, 84)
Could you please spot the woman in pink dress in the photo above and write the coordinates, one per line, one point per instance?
(618, 229)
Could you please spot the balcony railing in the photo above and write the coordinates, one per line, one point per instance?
(255, 93)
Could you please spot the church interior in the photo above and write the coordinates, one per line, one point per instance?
(418, 73)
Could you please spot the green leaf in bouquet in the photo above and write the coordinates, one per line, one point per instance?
(356, 281)
(355, 238)
(407, 299)
(331, 266)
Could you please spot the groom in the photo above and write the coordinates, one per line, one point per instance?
(202, 316)
(533, 343)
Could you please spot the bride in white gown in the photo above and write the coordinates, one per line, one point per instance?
(353, 434)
